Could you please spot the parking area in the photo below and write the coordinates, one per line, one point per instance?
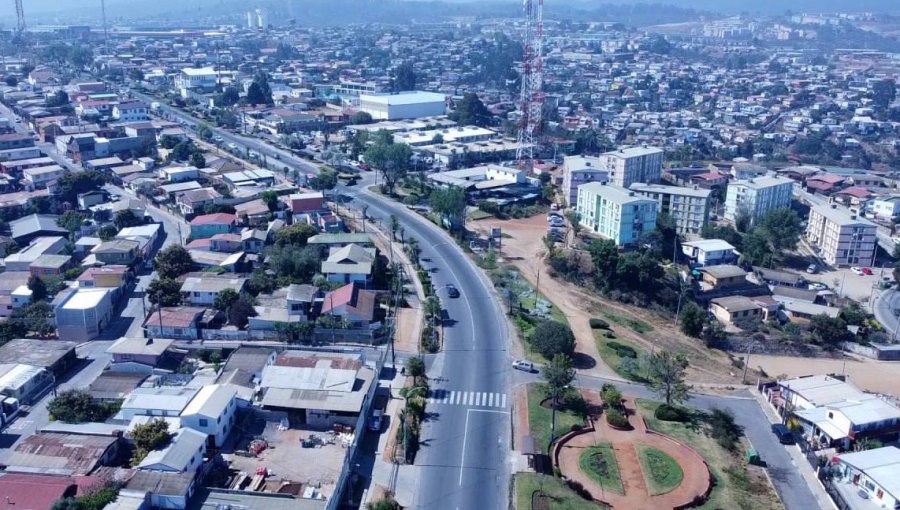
(847, 283)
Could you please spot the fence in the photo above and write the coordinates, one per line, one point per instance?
(347, 471)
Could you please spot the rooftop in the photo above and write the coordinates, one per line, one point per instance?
(39, 353)
(761, 182)
(197, 284)
(211, 401)
(709, 245)
(173, 399)
(178, 453)
(140, 346)
(86, 299)
(842, 217)
(180, 317)
(70, 454)
(670, 190)
(724, 271)
(879, 464)
(735, 303)
(403, 98)
(613, 193)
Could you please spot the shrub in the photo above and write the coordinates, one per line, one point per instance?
(579, 489)
(599, 324)
(666, 412)
(624, 351)
(616, 418)
(610, 335)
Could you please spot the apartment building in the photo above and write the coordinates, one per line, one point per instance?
(615, 213)
(629, 165)
(689, 207)
(756, 197)
(844, 239)
(578, 170)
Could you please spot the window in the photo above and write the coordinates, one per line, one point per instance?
(204, 422)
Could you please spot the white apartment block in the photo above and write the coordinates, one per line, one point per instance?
(843, 238)
(615, 213)
(757, 197)
(688, 207)
(629, 165)
(578, 170)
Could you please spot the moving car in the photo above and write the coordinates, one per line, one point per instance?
(525, 366)
(452, 291)
(375, 420)
(857, 271)
(784, 434)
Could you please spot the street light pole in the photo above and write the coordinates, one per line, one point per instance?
(747, 362)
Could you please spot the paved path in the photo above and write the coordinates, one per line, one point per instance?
(625, 443)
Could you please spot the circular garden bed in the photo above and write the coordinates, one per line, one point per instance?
(662, 472)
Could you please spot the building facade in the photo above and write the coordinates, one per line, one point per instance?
(578, 170)
(689, 207)
(615, 213)
(754, 198)
(627, 166)
(843, 238)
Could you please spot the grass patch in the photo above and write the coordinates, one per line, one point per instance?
(636, 325)
(563, 498)
(737, 485)
(478, 214)
(539, 417)
(661, 471)
(599, 462)
(617, 354)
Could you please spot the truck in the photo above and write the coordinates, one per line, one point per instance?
(9, 409)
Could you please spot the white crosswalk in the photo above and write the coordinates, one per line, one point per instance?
(468, 398)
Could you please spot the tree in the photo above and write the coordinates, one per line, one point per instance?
(182, 152)
(450, 204)
(12, 81)
(240, 311)
(225, 298)
(395, 224)
(74, 406)
(229, 97)
(781, 227)
(756, 250)
(60, 98)
(574, 218)
(611, 396)
(415, 368)
(197, 159)
(259, 91)
(723, 429)
(148, 437)
(295, 235)
(389, 158)
(667, 376)
(37, 287)
(471, 111)
(830, 330)
(126, 218)
(605, 256)
(692, 320)
(36, 317)
(403, 78)
(164, 292)
(71, 221)
(270, 198)
(136, 74)
(69, 503)
(361, 118)
(71, 184)
(326, 180)
(559, 373)
(173, 262)
(883, 94)
(388, 503)
(107, 232)
(550, 338)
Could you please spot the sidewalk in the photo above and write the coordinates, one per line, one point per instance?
(799, 460)
(401, 480)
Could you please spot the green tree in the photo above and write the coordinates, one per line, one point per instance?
(36, 317)
(296, 235)
(270, 198)
(551, 337)
(692, 319)
(415, 368)
(723, 429)
(605, 257)
(667, 376)
(71, 184)
(240, 311)
(173, 262)
(781, 227)
(71, 221)
(326, 180)
(575, 221)
(883, 94)
(74, 406)
(182, 151)
(757, 251)
(107, 232)
(126, 218)
(259, 91)
(388, 503)
(611, 396)
(164, 292)
(225, 298)
(830, 330)
(403, 78)
(229, 97)
(559, 373)
(450, 204)
(197, 159)
(148, 437)
(471, 111)
(37, 287)
(389, 158)
(60, 98)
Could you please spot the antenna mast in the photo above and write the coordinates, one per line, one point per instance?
(105, 29)
(531, 101)
(20, 17)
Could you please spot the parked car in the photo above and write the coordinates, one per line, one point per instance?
(523, 365)
(375, 420)
(817, 286)
(784, 434)
(867, 271)
(812, 269)
(452, 291)
(857, 271)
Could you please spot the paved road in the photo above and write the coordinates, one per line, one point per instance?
(886, 308)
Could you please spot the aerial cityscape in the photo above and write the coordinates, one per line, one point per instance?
(451, 255)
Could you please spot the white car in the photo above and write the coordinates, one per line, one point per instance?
(525, 366)
(857, 270)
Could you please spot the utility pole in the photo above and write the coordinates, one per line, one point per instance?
(105, 28)
(20, 17)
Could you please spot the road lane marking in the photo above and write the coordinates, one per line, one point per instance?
(462, 459)
(466, 398)
(491, 400)
(503, 405)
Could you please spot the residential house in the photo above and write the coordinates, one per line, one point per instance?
(139, 355)
(735, 310)
(50, 265)
(66, 454)
(340, 240)
(25, 229)
(352, 263)
(23, 382)
(180, 323)
(162, 401)
(226, 243)
(40, 246)
(90, 199)
(11, 284)
(723, 276)
(209, 225)
(709, 252)
(184, 454)
(322, 389)
(83, 314)
(195, 201)
(306, 203)
(56, 356)
(117, 252)
(212, 412)
(202, 290)
(868, 478)
(163, 490)
(253, 240)
(352, 303)
(131, 111)
(42, 176)
(843, 238)
(886, 208)
(615, 213)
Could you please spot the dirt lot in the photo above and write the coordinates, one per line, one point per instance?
(869, 375)
(524, 248)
